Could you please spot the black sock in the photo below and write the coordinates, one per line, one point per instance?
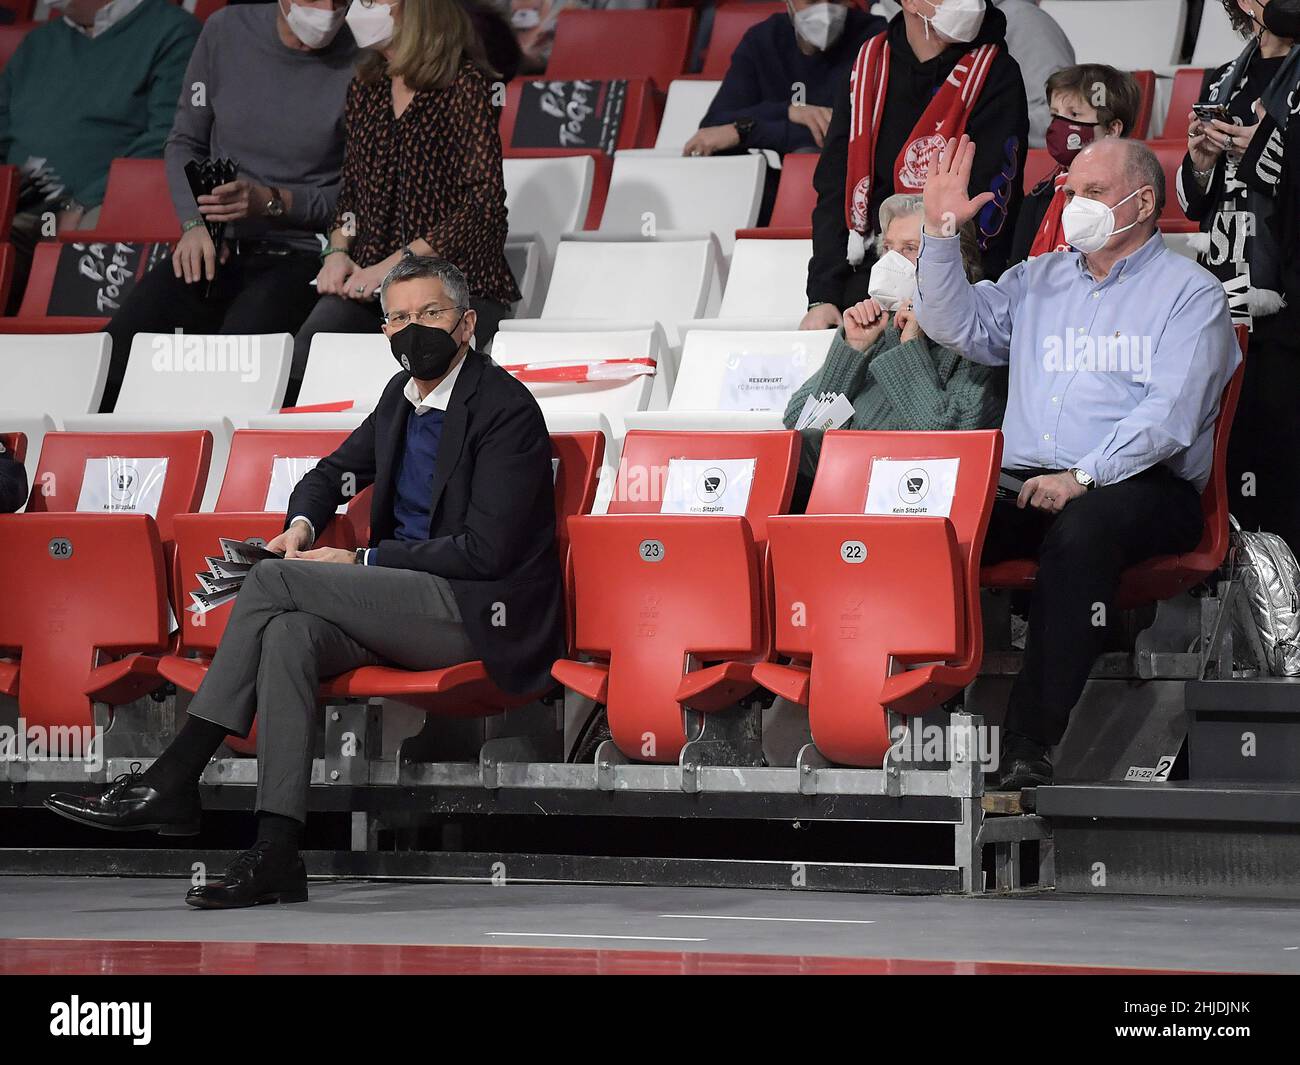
(181, 764)
(283, 834)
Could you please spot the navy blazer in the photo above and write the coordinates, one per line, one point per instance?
(492, 524)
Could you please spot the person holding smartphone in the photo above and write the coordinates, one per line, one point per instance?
(1230, 182)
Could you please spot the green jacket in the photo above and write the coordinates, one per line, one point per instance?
(895, 386)
(80, 102)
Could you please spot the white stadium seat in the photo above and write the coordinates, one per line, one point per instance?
(525, 257)
(548, 197)
(665, 281)
(767, 277)
(651, 193)
(688, 100)
(1129, 34)
(347, 366)
(188, 372)
(531, 343)
(738, 380)
(56, 374)
(341, 419)
(1216, 41)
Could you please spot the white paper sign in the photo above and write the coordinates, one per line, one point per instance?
(117, 485)
(707, 486)
(286, 472)
(912, 486)
(762, 381)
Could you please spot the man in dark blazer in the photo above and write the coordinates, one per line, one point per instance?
(461, 565)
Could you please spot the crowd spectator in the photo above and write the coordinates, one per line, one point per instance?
(1237, 181)
(1089, 101)
(265, 88)
(895, 376)
(938, 70)
(98, 84)
(1118, 354)
(780, 86)
(461, 566)
(421, 175)
(13, 483)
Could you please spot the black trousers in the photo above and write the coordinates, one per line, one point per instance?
(1264, 449)
(1081, 553)
(338, 314)
(252, 293)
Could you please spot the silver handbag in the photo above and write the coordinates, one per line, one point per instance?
(1270, 579)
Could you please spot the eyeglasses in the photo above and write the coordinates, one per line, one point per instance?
(431, 315)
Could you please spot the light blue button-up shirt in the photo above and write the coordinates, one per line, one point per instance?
(1111, 377)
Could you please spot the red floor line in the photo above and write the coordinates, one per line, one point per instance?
(183, 957)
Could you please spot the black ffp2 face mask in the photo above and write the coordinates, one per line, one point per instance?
(1282, 17)
(425, 351)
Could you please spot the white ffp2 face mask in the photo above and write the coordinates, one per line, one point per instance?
(316, 27)
(371, 25)
(957, 20)
(1089, 224)
(893, 280)
(820, 24)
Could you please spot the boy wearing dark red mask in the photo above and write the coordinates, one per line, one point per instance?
(1088, 101)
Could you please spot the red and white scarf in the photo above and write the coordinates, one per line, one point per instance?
(1051, 234)
(945, 117)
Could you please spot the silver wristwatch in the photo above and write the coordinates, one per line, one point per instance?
(1084, 479)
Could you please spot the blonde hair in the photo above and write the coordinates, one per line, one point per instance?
(431, 40)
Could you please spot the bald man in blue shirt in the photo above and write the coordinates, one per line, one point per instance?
(1118, 353)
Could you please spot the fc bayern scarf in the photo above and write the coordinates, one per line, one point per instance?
(1051, 234)
(945, 117)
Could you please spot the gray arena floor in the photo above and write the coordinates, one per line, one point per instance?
(1149, 933)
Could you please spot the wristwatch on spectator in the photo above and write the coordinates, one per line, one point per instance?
(744, 126)
(1085, 479)
(275, 205)
(360, 557)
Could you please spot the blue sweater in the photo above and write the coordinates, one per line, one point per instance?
(415, 475)
(767, 64)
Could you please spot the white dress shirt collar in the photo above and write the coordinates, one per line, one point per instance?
(441, 394)
(106, 17)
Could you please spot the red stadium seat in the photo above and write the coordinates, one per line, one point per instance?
(642, 110)
(57, 685)
(1038, 164)
(32, 316)
(77, 586)
(241, 515)
(466, 690)
(730, 23)
(1170, 153)
(1146, 80)
(9, 185)
(858, 598)
(137, 206)
(204, 8)
(11, 36)
(622, 44)
(795, 199)
(642, 618)
(1166, 575)
(59, 473)
(15, 445)
(600, 182)
(1185, 92)
(6, 272)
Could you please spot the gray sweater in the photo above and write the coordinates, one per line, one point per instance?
(276, 112)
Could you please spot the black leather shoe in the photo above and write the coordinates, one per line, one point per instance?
(1025, 764)
(257, 876)
(129, 804)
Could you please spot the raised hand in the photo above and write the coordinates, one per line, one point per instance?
(948, 205)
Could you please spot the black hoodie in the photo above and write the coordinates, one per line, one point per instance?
(999, 126)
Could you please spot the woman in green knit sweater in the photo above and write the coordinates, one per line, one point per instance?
(893, 374)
